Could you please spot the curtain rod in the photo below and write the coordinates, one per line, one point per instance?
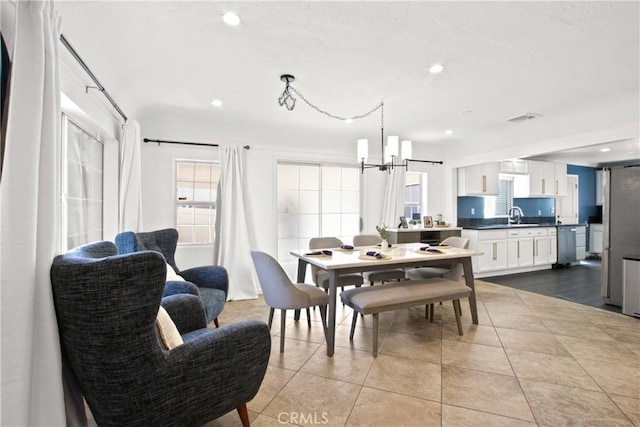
(101, 88)
(205, 144)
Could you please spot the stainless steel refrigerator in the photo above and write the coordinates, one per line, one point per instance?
(621, 227)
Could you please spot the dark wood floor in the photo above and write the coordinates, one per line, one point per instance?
(578, 283)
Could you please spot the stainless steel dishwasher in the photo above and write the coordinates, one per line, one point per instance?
(566, 244)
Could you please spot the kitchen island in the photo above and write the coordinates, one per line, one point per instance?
(422, 234)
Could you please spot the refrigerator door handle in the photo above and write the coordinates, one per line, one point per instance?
(604, 288)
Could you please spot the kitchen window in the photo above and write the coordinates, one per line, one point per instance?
(196, 190)
(415, 196)
(498, 206)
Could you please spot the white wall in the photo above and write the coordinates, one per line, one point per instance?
(262, 159)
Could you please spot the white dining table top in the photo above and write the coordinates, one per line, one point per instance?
(403, 253)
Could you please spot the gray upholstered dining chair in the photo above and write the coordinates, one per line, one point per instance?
(448, 269)
(280, 293)
(108, 310)
(321, 277)
(212, 281)
(377, 276)
(440, 268)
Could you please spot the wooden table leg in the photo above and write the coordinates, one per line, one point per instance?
(468, 278)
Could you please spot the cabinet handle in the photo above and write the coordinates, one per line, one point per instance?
(495, 251)
(543, 192)
(518, 248)
(557, 187)
(484, 183)
(537, 241)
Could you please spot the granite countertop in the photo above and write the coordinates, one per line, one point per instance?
(434, 228)
(511, 226)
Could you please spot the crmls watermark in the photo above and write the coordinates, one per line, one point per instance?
(303, 418)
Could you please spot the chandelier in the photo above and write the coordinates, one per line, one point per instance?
(394, 154)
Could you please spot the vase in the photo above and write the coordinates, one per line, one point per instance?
(384, 246)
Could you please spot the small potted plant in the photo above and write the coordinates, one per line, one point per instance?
(384, 235)
(415, 223)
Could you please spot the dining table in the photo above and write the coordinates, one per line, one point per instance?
(338, 261)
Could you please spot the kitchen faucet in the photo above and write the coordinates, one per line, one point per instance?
(517, 218)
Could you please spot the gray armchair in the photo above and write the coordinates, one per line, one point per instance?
(212, 281)
(106, 307)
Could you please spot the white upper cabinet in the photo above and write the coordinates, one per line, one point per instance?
(515, 166)
(478, 180)
(560, 179)
(544, 180)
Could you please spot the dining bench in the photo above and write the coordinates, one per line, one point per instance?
(395, 296)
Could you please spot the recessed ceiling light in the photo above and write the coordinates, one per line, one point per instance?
(349, 121)
(231, 18)
(436, 68)
(216, 103)
(604, 150)
(448, 131)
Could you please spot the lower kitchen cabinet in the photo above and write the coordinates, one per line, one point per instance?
(595, 238)
(581, 242)
(495, 255)
(512, 250)
(520, 250)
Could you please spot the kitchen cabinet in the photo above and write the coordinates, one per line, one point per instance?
(545, 179)
(581, 242)
(552, 253)
(541, 247)
(494, 245)
(515, 166)
(478, 180)
(560, 176)
(520, 248)
(595, 238)
(512, 249)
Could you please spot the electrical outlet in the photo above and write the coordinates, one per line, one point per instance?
(539, 212)
(473, 211)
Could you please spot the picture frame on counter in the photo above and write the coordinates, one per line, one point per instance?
(403, 222)
(427, 221)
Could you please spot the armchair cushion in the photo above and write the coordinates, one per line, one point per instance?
(172, 275)
(167, 329)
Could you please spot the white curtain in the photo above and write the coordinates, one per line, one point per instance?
(31, 376)
(232, 247)
(393, 202)
(130, 205)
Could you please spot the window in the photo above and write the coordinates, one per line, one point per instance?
(316, 200)
(498, 206)
(196, 193)
(415, 195)
(82, 183)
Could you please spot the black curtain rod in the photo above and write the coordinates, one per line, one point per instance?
(435, 162)
(205, 144)
(101, 88)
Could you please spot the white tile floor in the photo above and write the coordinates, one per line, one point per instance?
(531, 360)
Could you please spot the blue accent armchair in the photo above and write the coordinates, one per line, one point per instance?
(212, 281)
(106, 307)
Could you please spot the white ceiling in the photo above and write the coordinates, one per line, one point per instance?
(574, 63)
